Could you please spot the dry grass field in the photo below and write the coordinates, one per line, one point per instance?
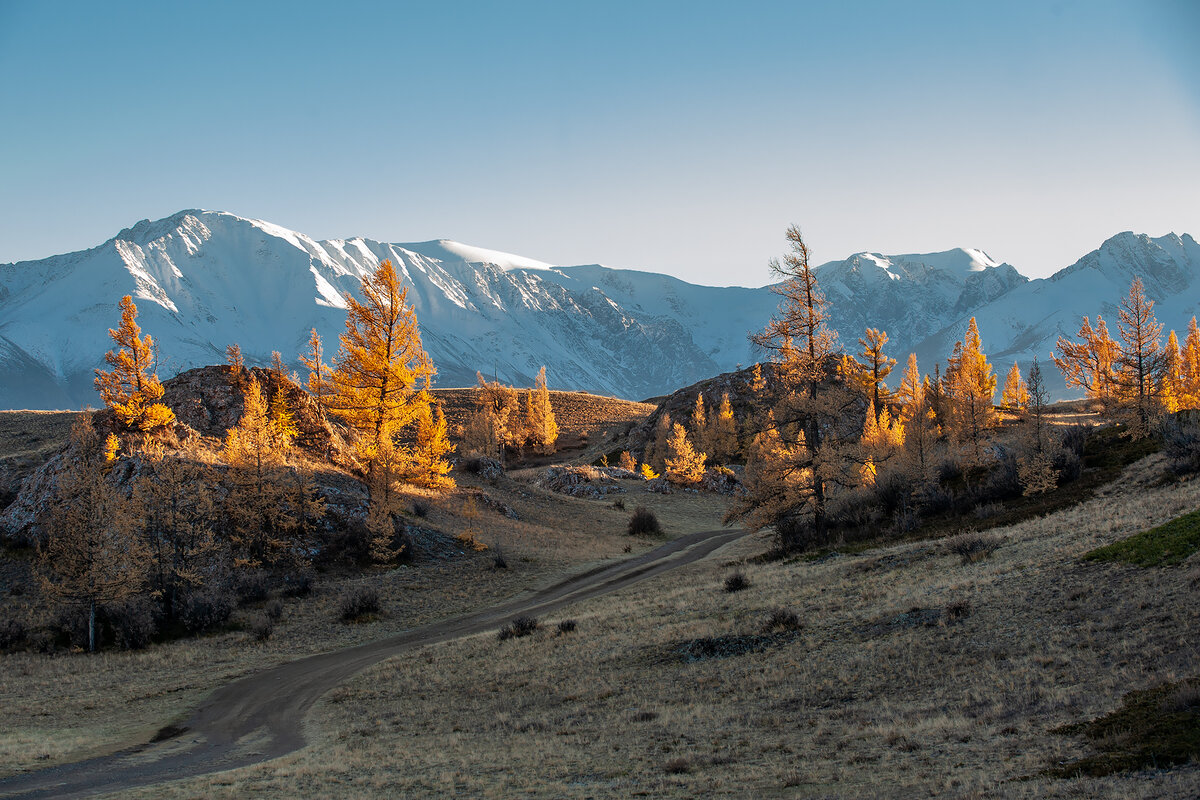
(912, 674)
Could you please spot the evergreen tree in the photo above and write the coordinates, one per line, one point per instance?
(130, 388)
(90, 554)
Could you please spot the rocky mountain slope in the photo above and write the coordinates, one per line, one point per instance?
(204, 279)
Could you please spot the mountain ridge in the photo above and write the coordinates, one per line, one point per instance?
(206, 279)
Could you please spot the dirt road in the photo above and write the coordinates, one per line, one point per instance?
(261, 717)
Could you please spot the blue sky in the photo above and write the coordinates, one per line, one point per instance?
(676, 137)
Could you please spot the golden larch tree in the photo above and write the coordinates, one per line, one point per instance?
(974, 388)
(1090, 363)
(381, 371)
(1172, 389)
(496, 422)
(723, 433)
(318, 371)
(1037, 443)
(699, 435)
(1189, 368)
(430, 466)
(872, 366)
(1016, 393)
(130, 388)
(539, 415)
(1141, 361)
(685, 466)
(910, 387)
(90, 554)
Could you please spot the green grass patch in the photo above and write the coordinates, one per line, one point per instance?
(1154, 728)
(1165, 546)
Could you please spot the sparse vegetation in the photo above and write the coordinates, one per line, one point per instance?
(1164, 546)
(521, 626)
(644, 523)
(358, 604)
(972, 545)
(736, 582)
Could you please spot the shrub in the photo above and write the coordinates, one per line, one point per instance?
(644, 523)
(12, 634)
(956, 610)
(261, 628)
(134, 622)
(736, 582)
(420, 508)
(299, 584)
(677, 766)
(498, 560)
(357, 603)
(521, 626)
(782, 619)
(566, 626)
(618, 504)
(252, 586)
(202, 611)
(274, 610)
(1181, 442)
(972, 545)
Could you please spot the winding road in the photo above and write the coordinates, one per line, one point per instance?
(260, 717)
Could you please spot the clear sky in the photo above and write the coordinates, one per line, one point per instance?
(680, 137)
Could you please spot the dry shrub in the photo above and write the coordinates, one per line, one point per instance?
(12, 634)
(358, 603)
(782, 619)
(677, 766)
(420, 509)
(134, 622)
(956, 610)
(566, 626)
(261, 628)
(736, 582)
(644, 523)
(521, 626)
(274, 610)
(972, 545)
(205, 610)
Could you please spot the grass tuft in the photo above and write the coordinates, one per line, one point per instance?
(521, 626)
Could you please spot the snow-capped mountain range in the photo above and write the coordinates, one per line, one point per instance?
(203, 280)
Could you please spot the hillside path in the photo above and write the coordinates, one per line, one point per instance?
(260, 717)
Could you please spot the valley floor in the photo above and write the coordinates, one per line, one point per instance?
(912, 674)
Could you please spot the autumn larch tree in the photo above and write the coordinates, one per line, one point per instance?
(1189, 368)
(1090, 364)
(496, 422)
(699, 436)
(130, 388)
(910, 387)
(656, 452)
(872, 366)
(1016, 394)
(974, 388)
(318, 371)
(91, 554)
(381, 371)
(684, 465)
(430, 467)
(1142, 361)
(1035, 464)
(539, 415)
(271, 508)
(723, 433)
(802, 456)
(1171, 388)
(175, 503)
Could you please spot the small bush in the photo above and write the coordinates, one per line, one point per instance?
(956, 610)
(618, 504)
(566, 626)
(274, 610)
(972, 545)
(782, 619)
(357, 603)
(134, 622)
(205, 610)
(521, 626)
(420, 508)
(736, 582)
(12, 634)
(644, 523)
(262, 627)
(252, 586)
(498, 560)
(1181, 443)
(677, 766)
